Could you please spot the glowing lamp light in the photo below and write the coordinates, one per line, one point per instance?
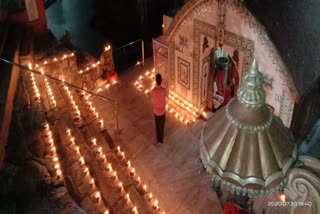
(138, 180)
(127, 197)
(138, 63)
(122, 155)
(120, 185)
(108, 85)
(134, 210)
(132, 172)
(118, 149)
(86, 170)
(59, 173)
(101, 123)
(94, 141)
(155, 204)
(114, 82)
(128, 164)
(144, 188)
(109, 167)
(114, 174)
(91, 181)
(99, 149)
(150, 196)
(97, 195)
(81, 161)
(106, 212)
(153, 70)
(283, 198)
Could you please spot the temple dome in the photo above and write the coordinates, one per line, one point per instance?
(244, 146)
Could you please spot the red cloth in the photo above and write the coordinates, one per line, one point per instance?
(231, 208)
(222, 90)
(219, 81)
(234, 78)
(227, 96)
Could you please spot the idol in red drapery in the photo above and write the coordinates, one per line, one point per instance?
(222, 81)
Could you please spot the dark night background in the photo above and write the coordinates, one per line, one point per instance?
(93, 22)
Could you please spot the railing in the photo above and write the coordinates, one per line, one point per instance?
(129, 54)
(114, 102)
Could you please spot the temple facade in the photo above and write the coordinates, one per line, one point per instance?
(204, 31)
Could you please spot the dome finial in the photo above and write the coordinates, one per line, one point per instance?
(254, 67)
(251, 92)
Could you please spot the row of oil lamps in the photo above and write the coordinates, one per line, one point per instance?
(96, 194)
(55, 59)
(109, 167)
(48, 134)
(131, 169)
(53, 149)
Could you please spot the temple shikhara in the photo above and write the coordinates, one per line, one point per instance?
(242, 109)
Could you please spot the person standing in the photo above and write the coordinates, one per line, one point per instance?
(158, 95)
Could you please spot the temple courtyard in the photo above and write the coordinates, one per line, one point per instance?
(171, 171)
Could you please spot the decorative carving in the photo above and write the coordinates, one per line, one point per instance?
(208, 31)
(205, 78)
(172, 64)
(286, 110)
(220, 22)
(242, 44)
(303, 188)
(250, 128)
(205, 44)
(183, 73)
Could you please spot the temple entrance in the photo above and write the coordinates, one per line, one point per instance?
(226, 76)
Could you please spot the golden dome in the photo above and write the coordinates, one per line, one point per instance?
(244, 146)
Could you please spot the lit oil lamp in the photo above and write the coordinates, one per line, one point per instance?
(155, 204)
(144, 188)
(132, 172)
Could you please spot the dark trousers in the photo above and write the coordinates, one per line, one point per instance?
(160, 120)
